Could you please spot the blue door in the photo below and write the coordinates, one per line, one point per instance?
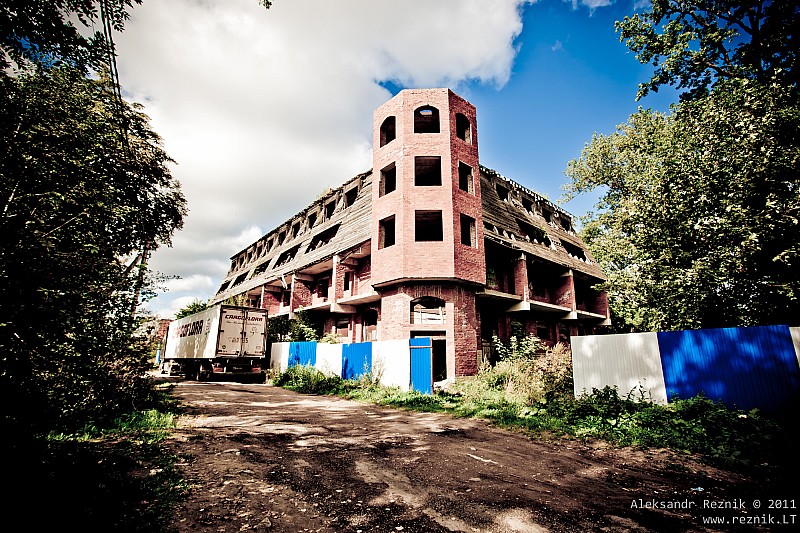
(421, 365)
(356, 359)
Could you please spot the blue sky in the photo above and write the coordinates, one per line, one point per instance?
(572, 77)
(262, 110)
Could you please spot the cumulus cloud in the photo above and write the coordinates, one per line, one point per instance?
(264, 109)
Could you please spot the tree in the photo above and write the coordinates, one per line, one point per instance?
(700, 215)
(699, 43)
(79, 195)
(44, 32)
(195, 306)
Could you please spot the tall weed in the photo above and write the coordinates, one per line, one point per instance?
(528, 373)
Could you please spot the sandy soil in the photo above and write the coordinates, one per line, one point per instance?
(262, 458)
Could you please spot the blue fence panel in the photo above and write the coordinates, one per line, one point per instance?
(356, 359)
(745, 368)
(421, 365)
(302, 353)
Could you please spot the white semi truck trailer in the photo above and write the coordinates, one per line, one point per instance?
(223, 341)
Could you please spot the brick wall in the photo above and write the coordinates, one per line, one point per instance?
(339, 272)
(460, 328)
(363, 275)
(271, 302)
(301, 293)
(521, 278)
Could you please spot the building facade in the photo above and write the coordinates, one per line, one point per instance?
(427, 243)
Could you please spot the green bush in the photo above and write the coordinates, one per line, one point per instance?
(308, 380)
(528, 373)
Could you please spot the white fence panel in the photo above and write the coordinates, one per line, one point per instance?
(796, 341)
(329, 359)
(279, 356)
(626, 361)
(391, 360)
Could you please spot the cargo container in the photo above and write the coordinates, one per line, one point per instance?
(224, 341)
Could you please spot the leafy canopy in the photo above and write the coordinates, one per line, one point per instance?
(699, 222)
(52, 32)
(195, 306)
(78, 199)
(696, 44)
(699, 215)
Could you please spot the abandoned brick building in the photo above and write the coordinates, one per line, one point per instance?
(427, 243)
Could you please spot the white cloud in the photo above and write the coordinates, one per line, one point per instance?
(591, 4)
(263, 109)
(168, 308)
(195, 282)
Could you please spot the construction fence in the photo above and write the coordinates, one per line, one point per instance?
(745, 368)
(406, 364)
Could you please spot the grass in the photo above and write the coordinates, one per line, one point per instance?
(718, 435)
(115, 478)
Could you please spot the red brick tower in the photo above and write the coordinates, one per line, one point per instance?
(427, 230)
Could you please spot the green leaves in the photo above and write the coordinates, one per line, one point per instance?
(698, 222)
(77, 196)
(696, 44)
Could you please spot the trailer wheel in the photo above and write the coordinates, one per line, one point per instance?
(190, 371)
(202, 373)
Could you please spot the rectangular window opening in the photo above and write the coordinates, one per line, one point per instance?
(465, 177)
(386, 236)
(322, 287)
(502, 192)
(427, 171)
(287, 256)
(428, 226)
(322, 238)
(350, 197)
(531, 232)
(527, 204)
(388, 180)
(575, 251)
(468, 231)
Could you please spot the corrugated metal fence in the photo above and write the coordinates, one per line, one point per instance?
(745, 368)
(390, 362)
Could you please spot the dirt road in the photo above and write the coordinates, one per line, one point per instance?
(266, 459)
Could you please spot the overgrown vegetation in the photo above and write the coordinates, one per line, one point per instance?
(301, 328)
(114, 477)
(86, 195)
(530, 389)
(696, 223)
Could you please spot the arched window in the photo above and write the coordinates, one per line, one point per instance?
(426, 120)
(427, 310)
(463, 128)
(388, 132)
